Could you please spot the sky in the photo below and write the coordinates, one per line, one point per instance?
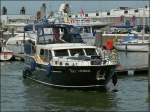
(32, 6)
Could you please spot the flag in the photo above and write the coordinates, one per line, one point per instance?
(122, 18)
(109, 44)
(133, 19)
(82, 12)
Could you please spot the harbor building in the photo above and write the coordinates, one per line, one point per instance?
(132, 16)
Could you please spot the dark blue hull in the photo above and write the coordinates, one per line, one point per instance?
(73, 77)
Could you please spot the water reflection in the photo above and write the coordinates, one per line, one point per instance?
(50, 98)
(149, 98)
(18, 94)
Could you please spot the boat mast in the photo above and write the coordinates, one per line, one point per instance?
(143, 30)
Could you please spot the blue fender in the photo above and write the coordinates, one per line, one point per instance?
(26, 72)
(33, 65)
(49, 69)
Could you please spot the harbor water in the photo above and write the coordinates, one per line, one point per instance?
(18, 94)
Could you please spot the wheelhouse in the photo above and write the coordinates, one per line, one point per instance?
(50, 33)
(67, 52)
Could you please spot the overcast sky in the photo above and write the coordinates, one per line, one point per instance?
(32, 6)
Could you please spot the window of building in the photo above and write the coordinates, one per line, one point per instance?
(97, 14)
(125, 12)
(86, 15)
(136, 10)
(108, 13)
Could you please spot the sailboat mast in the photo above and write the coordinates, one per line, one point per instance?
(143, 31)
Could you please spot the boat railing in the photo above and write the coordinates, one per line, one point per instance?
(85, 62)
(111, 56)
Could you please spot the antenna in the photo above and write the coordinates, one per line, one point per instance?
(23, 8)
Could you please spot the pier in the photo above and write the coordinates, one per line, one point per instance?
(132, 70)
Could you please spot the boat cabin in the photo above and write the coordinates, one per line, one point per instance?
(65, 50)
(67, 54)
(50, 33)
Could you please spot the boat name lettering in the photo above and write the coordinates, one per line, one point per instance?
(73, 71)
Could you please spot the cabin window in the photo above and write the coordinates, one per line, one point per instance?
(62, 52)
(46, 52)
(87, 29)
(42, 52)
(90, 52)
(125, 12)
(50, 55)
(81, 30)
(44, 55)
(75, 52)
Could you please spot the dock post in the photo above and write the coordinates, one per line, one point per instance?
(101, 38)
(126, 49)
(149, 68)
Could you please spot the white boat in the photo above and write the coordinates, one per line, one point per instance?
(16, 45)
(5, 54)
(133, 44)
(86, 26)
(14, 35)
(138, 47)
(89, 30)
(66, 65)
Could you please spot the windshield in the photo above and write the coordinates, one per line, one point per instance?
(59, 35)
(76, 52)
(62, 52)
(74, 30)
(90, 52)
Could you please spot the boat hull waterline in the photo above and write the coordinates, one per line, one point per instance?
(72, 77)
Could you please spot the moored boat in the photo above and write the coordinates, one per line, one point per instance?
(5, 55)
(133, 43)
(66, 65)
(15, 43)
